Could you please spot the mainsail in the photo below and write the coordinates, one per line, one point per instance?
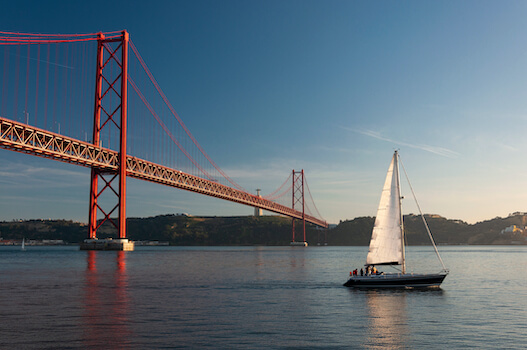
(386, 245)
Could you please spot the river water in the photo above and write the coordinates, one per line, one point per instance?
(256, 298)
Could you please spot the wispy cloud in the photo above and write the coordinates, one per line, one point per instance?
(441, 151)
(46, 199)
(506, 147)
(21, 175)
(44, 61)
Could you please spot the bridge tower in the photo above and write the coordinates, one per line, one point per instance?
(258, 211)
(108, 188)
(298, 200)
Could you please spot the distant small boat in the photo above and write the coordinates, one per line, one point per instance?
(298, 244)
(23, 244)
(387, 242)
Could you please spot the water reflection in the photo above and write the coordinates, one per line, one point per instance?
(106, 300)
(388, 323)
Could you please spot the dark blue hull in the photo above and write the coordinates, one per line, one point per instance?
(397, 281)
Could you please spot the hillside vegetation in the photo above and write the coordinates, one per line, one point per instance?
(273, 230)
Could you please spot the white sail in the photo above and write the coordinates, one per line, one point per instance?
(386, 246)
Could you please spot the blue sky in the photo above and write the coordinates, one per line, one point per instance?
(331, 87)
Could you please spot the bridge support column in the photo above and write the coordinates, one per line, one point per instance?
(298, 198)
(258, 211)
(110, 118)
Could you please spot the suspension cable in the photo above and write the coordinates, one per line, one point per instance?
(312, 201)
(153, 80)
(271, 196)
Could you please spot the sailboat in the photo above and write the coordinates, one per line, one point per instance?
(387, 244)
(23, 244)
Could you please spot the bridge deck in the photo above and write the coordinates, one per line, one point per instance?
(22, 138)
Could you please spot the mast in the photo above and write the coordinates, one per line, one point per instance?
(396, 168)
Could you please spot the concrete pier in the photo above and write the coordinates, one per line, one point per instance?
(107, 244)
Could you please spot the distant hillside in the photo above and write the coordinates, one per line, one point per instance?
(68, 231)
(238, 230)
(274, 230)
(444, 231)
(176, 229)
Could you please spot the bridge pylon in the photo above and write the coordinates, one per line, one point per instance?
(108, 188)
(298, 200)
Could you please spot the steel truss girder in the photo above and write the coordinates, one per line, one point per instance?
(145, 170)
(21, 138)
(25, 139)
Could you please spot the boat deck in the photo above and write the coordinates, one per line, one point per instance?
(397, 280)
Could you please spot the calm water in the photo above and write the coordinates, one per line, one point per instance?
(255, 298)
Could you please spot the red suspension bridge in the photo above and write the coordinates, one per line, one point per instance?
(86, 99)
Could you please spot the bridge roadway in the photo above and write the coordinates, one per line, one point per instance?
(23, 138)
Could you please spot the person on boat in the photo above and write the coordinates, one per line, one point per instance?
(373, 270)
(361, 272)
